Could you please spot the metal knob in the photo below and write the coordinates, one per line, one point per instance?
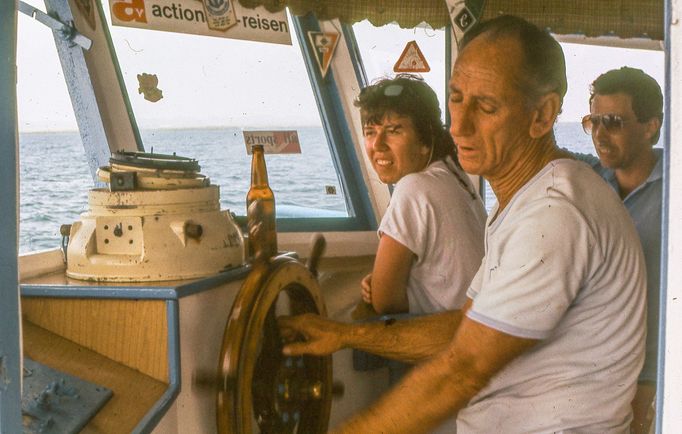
(193, 230)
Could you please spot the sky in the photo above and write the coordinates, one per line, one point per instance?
(222, 83)
(584, 63)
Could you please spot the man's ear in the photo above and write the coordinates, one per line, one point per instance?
(653, 125)
(545, 113)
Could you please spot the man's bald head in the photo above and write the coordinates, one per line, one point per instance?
(543, 67)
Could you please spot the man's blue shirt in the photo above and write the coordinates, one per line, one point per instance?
(644, 206)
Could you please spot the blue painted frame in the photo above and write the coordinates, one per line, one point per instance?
(10, 355)
(158, 291)
(158, 410)
(356, 57)
(341, 147)
(662, 308)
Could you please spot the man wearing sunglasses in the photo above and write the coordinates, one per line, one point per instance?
(626, 111)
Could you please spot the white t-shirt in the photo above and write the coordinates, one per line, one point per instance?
(434, 216)
(563, 265)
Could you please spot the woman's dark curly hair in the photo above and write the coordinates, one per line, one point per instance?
(408, 95)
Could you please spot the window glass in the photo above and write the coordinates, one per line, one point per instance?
(381, 48)
(54, 175)
(214, 89)
(581, 70)
(203, 79)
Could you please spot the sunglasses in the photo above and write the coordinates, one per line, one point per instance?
(392, 90)
(611, 122)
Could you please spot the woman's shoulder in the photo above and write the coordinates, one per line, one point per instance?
(438, 177)
(435, 186)
(433, 172)
(412, 183)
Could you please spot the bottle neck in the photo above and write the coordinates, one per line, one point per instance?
(259, 173)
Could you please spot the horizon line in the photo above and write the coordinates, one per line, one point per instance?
(215, 127)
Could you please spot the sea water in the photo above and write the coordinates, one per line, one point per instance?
(55, 179)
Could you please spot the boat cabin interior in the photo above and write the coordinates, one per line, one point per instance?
(142, 309)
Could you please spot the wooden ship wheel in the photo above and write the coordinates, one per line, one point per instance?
(261, 390)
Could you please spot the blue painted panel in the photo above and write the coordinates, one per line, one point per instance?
(61, 288)
(662, 308)
(356, 57)
(340, 138)
(10, 357)
(156, 413)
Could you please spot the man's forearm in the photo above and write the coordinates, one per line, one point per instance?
(410, 340)
(426, 397)
(442, 386)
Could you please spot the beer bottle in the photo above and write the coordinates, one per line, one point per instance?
(260, 210)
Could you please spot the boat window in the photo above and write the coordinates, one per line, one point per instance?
(213, 90)
(584, 63)
(381, 48)
(53, 170)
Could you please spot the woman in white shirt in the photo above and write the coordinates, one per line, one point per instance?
(431, 236)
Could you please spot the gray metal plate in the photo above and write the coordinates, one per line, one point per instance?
(53, 402)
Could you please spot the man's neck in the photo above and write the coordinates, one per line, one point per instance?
(526, 168)
(632, 177)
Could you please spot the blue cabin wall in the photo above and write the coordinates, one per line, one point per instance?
(10, 357)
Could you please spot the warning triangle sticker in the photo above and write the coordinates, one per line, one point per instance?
(324, 44)
(412, 60)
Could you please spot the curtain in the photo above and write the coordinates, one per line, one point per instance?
(623, 18)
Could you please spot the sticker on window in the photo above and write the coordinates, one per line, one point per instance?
(274, 142)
